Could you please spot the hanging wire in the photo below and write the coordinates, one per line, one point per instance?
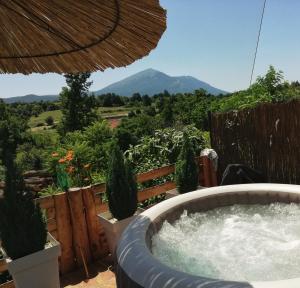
(257, 42)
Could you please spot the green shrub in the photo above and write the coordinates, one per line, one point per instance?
(50, 190)
(49, 120)
(121, 188)
(186, 172)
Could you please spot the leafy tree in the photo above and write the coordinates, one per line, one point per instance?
(121, 187)
(167, 114)
(77, 105)
(186, 174)
(146, 100)
(136, 97)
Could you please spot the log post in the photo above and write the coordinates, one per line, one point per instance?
(206, 171)
(80, 232)
(64, 233)
(97, 240)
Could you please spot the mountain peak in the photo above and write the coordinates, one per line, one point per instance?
(151, 81)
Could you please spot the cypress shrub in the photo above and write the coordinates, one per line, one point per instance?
(186, 171)
(22, 225)
(121, 187)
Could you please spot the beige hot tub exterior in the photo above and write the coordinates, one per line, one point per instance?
(138, 268)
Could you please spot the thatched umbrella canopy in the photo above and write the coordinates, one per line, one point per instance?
(67, 36)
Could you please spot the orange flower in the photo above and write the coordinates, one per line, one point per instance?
(62, 160)
(87, 166)
(70, 155)
(54, 154)
(71, 169)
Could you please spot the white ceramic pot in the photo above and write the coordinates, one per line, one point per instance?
(37, 270)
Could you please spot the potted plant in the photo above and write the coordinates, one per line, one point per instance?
(186, 171)
(121, 191)
(31, 253)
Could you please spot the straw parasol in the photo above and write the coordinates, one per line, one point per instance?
(67, 36)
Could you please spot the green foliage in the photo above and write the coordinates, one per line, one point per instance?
(77, 105)
(22, 226)
(163, 148)
(132, 129)
(90, 154)
(50, 190)
(63, 181)
(49, 120)
(186, 173)
(121, 188)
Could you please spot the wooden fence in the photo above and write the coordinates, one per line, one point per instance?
(265, 138)
(87, 234)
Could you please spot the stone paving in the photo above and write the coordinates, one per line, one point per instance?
(101, 276)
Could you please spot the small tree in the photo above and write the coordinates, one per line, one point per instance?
(121, 187)
(22, 226)
(49, 121)
(186, 172)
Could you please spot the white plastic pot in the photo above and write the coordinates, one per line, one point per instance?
(113, 228)
(37, 270)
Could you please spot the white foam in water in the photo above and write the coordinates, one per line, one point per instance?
(240, 242)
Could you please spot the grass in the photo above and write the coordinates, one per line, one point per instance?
(34, 121)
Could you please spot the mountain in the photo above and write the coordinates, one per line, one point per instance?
(149, 82)
(30, 98)
(152, 82)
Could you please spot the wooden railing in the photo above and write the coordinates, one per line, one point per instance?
(87, 234)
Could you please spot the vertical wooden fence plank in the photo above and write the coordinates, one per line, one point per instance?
(64, 233)
(213, 175)
(80, 232)
(97, 240)
(206, 171)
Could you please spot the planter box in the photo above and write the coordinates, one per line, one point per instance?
(114, 228)
(37, 270)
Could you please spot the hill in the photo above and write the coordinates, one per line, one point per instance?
(152, 82)
(30, 98)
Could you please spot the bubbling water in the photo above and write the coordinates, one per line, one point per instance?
(239, 243)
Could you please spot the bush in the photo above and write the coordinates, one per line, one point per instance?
(49, 121)
(22, 226)
(186, 172)
(121, 188)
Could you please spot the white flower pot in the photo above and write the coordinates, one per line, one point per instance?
(113, 228)
(37, 270)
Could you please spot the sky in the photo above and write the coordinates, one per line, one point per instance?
(212, 40)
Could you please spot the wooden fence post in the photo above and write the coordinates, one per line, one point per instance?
(206, 171)
(64, 233)
(80, 232)
(97, 240)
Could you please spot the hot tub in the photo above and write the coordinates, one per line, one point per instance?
(137, 267)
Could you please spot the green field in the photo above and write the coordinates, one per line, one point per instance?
(34, 121)
(56, 114)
